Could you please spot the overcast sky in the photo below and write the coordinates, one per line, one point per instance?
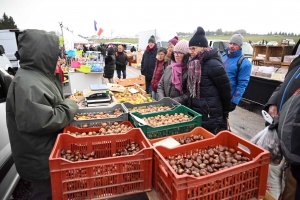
(131, 16)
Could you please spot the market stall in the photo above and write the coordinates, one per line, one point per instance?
(269, 66)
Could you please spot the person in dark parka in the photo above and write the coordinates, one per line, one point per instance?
(208, 83)
(121, 62)
(36, 111)
(148, 63)
(282, 93)
(110, 65)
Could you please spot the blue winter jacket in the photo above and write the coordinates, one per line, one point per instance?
(238, 85)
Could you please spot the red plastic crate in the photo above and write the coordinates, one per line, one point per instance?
(198, 130)
(73, 129)
(102, 178)
(244, 181)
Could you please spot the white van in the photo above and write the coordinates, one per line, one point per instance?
(9, 40)
(5, 63)
(8, 174)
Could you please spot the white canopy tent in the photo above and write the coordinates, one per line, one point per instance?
(80, 40)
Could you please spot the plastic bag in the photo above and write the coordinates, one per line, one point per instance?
(274, 185)
(268, 140)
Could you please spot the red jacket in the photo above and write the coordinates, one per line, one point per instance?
(160, 66)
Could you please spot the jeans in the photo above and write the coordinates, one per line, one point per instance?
(123, 72)
(154, 95)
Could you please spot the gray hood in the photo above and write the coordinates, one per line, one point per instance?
(35, 44)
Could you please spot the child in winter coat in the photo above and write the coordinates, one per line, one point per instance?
(110, 65)
(160, 66)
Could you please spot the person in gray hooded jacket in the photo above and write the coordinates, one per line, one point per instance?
(36, 110)
(173, 82)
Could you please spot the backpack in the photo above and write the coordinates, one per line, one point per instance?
(289, 129)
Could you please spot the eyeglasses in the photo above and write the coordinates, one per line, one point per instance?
(193, 48)
(161, 54)
(178, 53)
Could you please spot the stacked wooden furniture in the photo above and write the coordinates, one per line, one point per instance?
(271, 52)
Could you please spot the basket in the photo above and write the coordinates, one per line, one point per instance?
(74, 129)
(167, 130)
(75, 64)
(120, 118)
(90, 179)
(84, 69)
(166, 101)
(71, 53)
(244, 181)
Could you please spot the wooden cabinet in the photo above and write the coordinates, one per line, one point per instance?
(273, 55)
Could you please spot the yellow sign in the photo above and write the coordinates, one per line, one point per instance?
(61, 41)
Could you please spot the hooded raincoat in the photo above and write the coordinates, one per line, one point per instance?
(36, 110)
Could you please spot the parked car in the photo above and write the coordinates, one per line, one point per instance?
(223, 44)
(272, 43)
(8, 174)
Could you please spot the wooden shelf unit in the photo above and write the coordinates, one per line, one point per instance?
(270, 51)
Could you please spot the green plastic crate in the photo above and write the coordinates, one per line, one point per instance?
(167, 130)
(166, 101)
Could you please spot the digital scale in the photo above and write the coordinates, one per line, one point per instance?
(98, 96)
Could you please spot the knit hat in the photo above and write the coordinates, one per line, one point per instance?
(174, 40)
(162, 49)
(152, 39)
(182, 46)
(199, 39)
(237, 39)
(110, 51)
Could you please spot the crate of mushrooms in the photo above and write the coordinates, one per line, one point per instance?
(100, 114)
(97, 167)
(165, 103)
(166, 123)
(222, 167)
(104, 128)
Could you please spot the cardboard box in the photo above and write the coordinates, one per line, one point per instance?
(269, 196)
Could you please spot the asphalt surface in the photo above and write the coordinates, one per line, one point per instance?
(245, 121)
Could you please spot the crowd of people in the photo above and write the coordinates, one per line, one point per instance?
(198, 76)
(189, 72)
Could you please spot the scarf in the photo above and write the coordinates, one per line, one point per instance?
(177, 75)
(194, 73)
(149, 49)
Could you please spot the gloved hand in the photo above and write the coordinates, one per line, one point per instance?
(225, 115)
(232, 107)
(275, 123)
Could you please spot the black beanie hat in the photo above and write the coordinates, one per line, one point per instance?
(110, 51)
(152, 39)
(162, 49)
(199, 38)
